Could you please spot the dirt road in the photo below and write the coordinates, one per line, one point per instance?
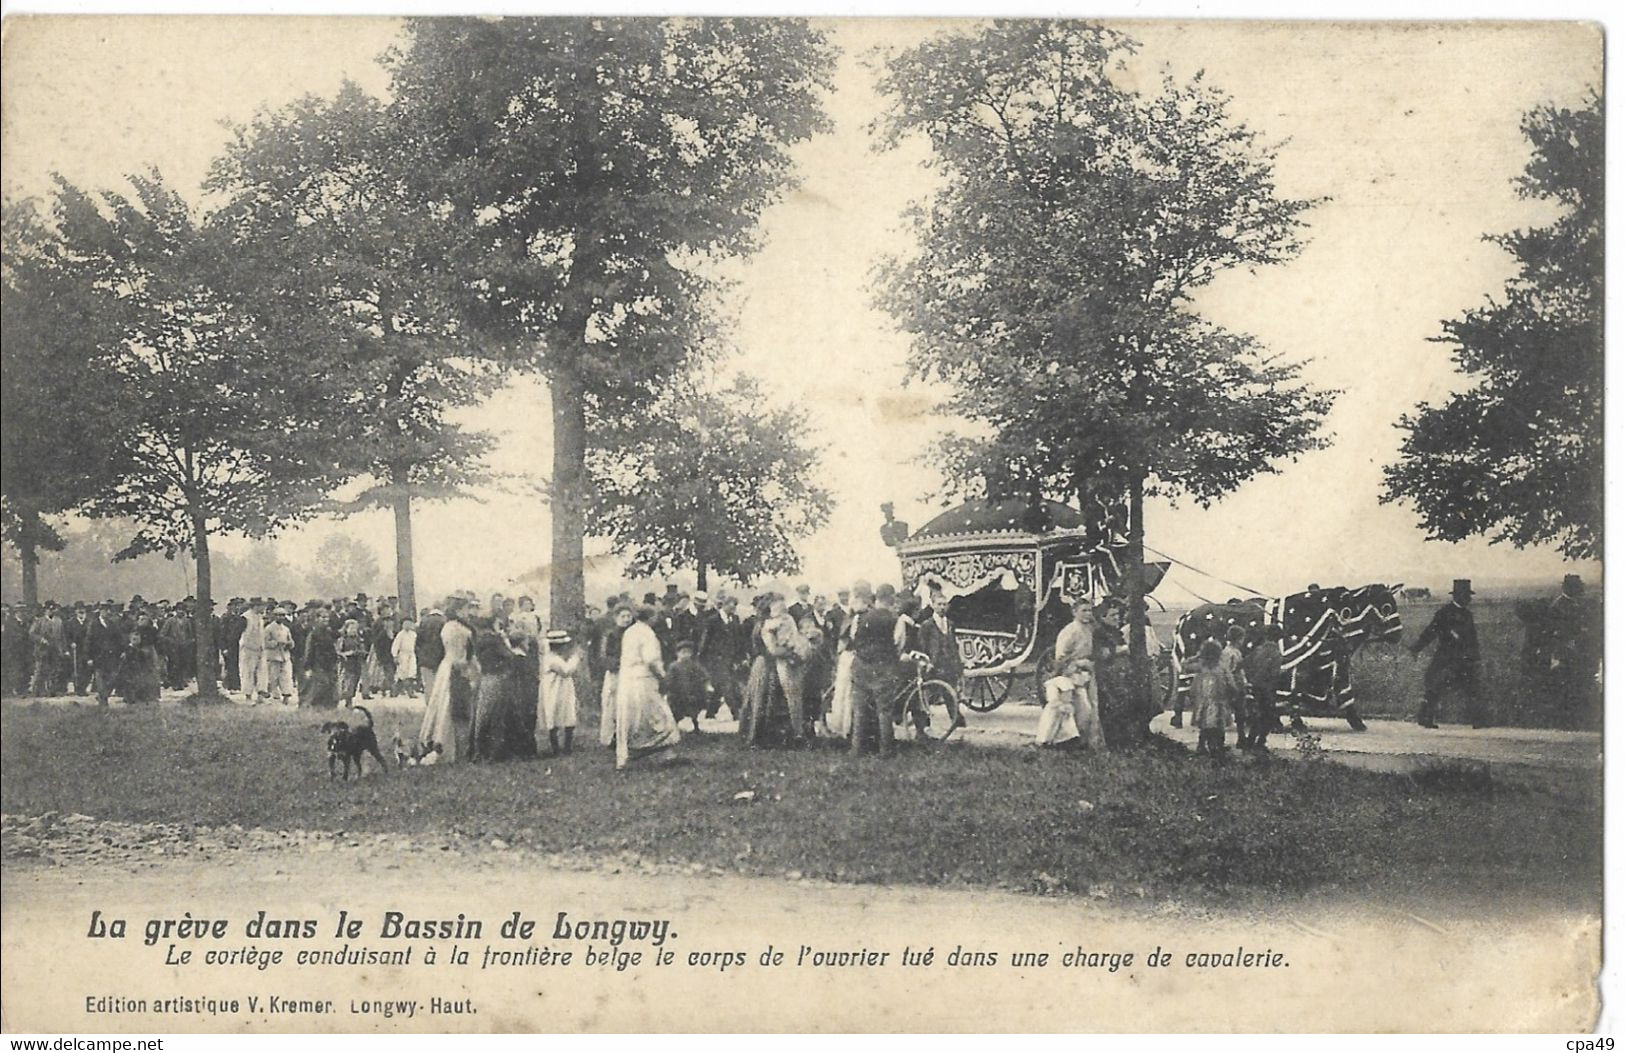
(1386, 744)
(1342, 965)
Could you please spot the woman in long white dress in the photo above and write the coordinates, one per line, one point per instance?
(643, 720)
(839, 718)
(449, 711)
(611, 645)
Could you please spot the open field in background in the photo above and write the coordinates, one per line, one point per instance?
(1388, 679)
(1154, 825)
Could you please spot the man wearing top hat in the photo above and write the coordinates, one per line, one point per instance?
(1455, 660)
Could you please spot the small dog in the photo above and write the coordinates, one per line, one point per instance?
(347, 744)
(415, 755)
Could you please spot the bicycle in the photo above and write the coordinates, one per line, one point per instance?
(915, 696)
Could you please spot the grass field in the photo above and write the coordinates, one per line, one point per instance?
(1388, 679)
(1159, 824)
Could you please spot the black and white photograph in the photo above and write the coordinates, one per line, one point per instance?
(757, 524)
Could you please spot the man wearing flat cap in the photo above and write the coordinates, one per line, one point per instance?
(1454, 665)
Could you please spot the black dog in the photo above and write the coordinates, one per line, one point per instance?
(348, 744)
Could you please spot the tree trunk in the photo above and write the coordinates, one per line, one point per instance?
(566, 587)
(1139, 679)
(203, 615)
(405, 579)
(699, 576)
(29, 551)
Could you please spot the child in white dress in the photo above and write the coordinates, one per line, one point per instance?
(556, 706)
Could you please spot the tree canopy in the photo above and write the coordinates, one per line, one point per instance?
(62, 408)
(709, 480)
(1518, 456)
(1052, 289)
(604, 164)
(237, 430)
(1056, 266)
(336, 191)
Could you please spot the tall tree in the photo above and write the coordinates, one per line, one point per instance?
(606, 164)
(1052, 285)
(62, 410)
(236, 432)
(1518, 456)
(335, 190)
(708, 480)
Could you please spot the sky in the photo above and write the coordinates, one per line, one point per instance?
(1409, 131)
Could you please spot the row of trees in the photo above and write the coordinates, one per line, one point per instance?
(1052, 291)
(544, 195)
(548, 195)
(342, 565)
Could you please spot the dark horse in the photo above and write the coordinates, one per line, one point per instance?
(1321, 629)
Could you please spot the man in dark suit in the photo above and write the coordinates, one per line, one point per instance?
(18, 650)
(78, 629)
(1573, 648)
(687, 618)
(228, 642)
(175, 639)
(940, 642)
(718, 651)
(665, 623)
(105, 638)
(1455, 661)
(803, 607)
(836, 617)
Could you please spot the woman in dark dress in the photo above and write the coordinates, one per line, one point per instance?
(774, 710)
(1111, 676)
(378, 674)
(139, 674)
(491, 733)
(321, 662)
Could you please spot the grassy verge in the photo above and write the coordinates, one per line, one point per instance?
(1158, 823)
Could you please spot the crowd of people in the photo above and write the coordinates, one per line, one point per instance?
(499, 683)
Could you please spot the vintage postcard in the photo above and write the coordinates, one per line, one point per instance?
(607, 524)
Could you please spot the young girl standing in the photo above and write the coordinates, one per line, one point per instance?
(405, 651)
(556, 706)
(1209, 698)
